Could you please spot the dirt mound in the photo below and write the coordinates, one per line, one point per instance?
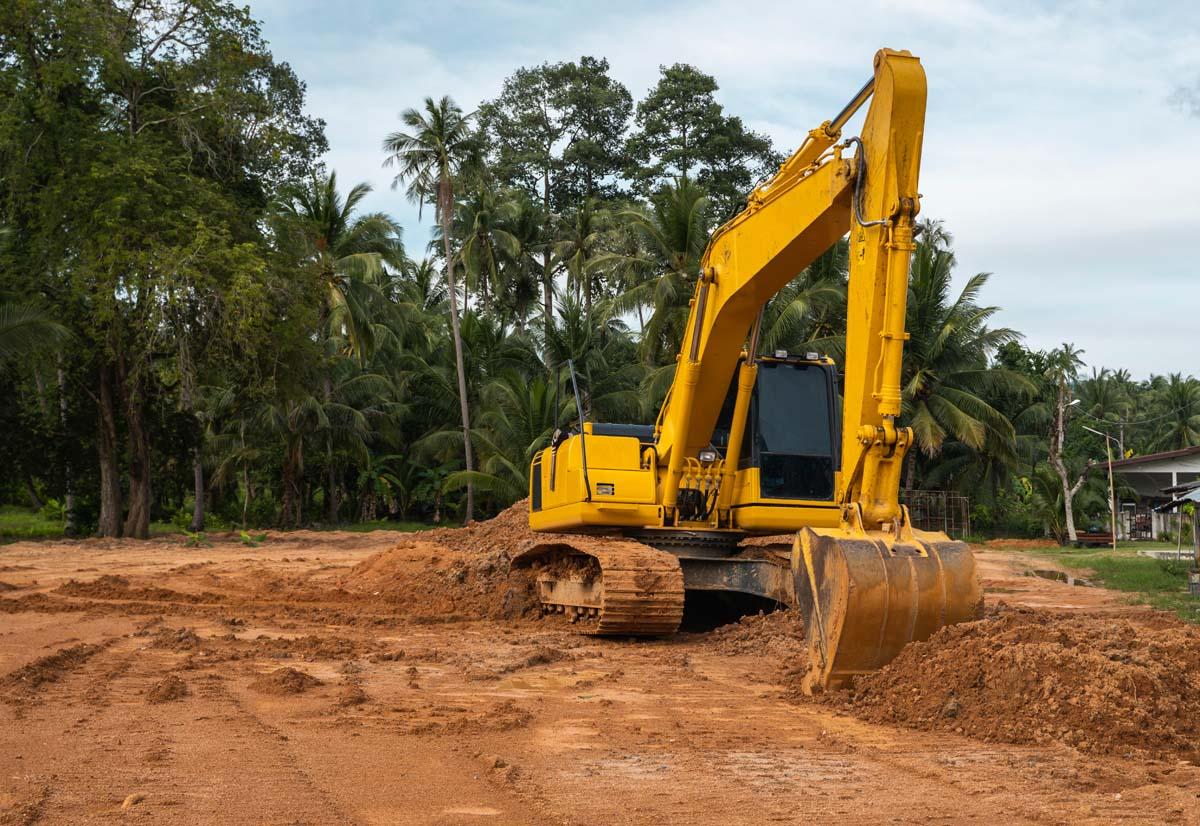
(118, 587)
(167, 689)
(176, 639)
(447, 574)
(504, 534)
(352, 695)
(1018, 544)
(1024, 676)
(285, 681)
(51, 668)
(779, 635)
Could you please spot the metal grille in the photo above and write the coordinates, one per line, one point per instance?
(939, 510)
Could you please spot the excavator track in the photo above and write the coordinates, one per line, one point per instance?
(612, 587)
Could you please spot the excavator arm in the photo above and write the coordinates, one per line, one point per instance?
(815, 198)
(873, 584)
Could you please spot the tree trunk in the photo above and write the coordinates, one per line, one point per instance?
(246, 494)
(187, 386)
(70, 527)
(137, 521)
(1057, 441)
(910, 472)
(547, 271)
(35, 501)
(106, 448)
(446, 207)
(293, 475)
(332, 504)
(198, 491)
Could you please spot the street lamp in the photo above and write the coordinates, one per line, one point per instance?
(1112, 496)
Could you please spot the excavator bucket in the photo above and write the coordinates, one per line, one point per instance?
(866, 596)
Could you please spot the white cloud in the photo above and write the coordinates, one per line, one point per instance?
(1051, 151)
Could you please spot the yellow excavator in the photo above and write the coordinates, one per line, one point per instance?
(752, 444)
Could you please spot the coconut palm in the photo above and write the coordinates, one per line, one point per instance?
(26, 331)
(809, 314)
(517, 423)
(427, 158)
(521, 274)
(1178, 402)
(350, 252)
(947, 377)
(581, 239)
(659, 273)
(485, 243)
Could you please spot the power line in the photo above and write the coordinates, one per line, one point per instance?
(1166, 415)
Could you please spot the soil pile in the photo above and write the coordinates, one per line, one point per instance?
(1017, 544)
(1129, 685)
(51, 668)
(448, 574)
(778, 635)
(504, 535)
(285, 681)
(167, 689)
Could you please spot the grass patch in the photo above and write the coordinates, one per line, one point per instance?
(22, 523)
(1159, 583)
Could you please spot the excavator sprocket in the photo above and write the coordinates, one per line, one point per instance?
(613, 587)
(866, 595)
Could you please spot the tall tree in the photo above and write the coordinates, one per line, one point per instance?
(947, 378)
(659, 269)
(1063, 368)
(144, 138)
(428, 158)
(683, 132)
(555, 132)
(349, 252)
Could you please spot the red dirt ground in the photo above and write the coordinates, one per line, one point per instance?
(151, 682)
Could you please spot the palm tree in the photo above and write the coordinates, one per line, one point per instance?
(349, 251)
(522, 272)
(517, 423)
(428, 158)
(947, 377)
(480, 222)
(1179, 403)
(26, 331)
(659, 273)
(809, 314)
(581, 239)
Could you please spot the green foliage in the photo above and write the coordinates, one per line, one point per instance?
(196, 540)
(193, 308)
(23, 523)
(682, 132)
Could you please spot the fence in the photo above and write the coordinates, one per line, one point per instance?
(939, 510)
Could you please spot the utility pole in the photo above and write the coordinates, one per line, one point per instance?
(1112, 496)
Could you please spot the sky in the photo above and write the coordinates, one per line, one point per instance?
(1054, 151)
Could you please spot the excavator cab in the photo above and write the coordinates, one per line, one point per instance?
(792, 434)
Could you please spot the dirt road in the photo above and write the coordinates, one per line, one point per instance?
(150, 682)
